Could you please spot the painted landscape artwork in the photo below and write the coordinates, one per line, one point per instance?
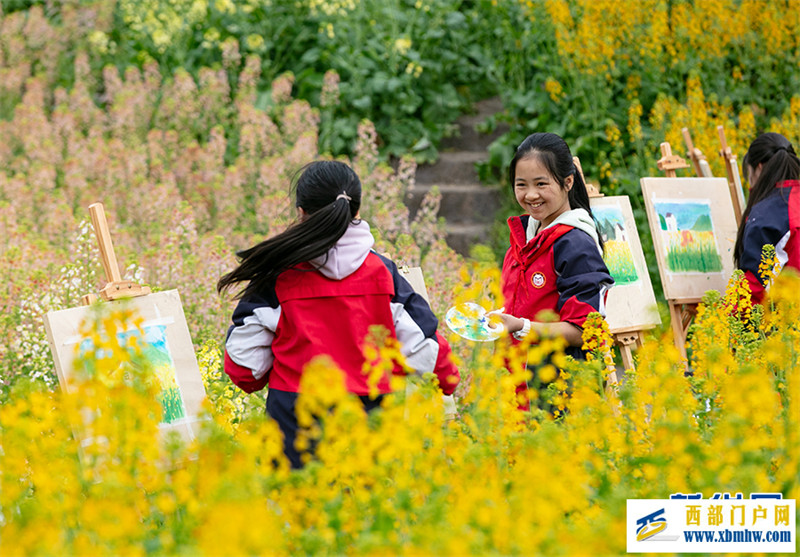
(156, 349)
(617, 252)
(693, 226)
(688, 236)
(631, 304)
(165, 341)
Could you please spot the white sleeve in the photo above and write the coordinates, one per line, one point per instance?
(250, 344)
(420, 352)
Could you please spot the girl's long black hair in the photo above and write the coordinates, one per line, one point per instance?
(776, 154)
(330, 194)
(554, 153)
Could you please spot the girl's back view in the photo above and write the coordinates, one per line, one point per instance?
(318, 288)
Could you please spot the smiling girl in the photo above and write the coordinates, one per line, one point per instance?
(555, 262)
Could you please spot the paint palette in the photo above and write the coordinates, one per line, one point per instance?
(470, 321)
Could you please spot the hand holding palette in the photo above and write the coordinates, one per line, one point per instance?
(471, 321)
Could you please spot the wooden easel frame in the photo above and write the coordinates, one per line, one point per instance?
(681, 310)
(115, 287)
(624, 339)
(734, 179)
(699, 161)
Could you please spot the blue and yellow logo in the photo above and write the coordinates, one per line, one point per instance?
(650, 525)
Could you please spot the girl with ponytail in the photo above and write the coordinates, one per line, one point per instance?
(555, 262)
(772, 213)
(318, 288)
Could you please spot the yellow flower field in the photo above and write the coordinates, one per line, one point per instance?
(407, 481)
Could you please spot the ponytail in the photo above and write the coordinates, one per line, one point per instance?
(778, 162)
(330, 194)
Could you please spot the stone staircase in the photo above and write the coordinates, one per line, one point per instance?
(468, 206)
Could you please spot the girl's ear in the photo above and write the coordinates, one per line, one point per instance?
(568, 181)
(301, 213)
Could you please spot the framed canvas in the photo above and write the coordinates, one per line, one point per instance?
(631, 304)
(694, 232)
(167, 344)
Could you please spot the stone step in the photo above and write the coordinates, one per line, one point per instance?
(468, 138)
(461, 203)
(461, 237)
(456, 167)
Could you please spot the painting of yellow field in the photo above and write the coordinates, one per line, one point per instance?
(617, 252)
(163, 337)
(631, 304)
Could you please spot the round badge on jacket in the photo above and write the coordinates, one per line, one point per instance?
(538, 279)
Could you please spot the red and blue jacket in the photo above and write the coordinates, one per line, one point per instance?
(330, 307)
(561, 269)
(773, 220)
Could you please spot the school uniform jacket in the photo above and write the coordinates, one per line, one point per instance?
(329, 307)
(560, 269)
(773, 220)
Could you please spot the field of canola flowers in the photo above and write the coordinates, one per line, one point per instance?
(194, 165)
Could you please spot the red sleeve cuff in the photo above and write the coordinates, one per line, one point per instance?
(242, 377)
(445, 369)
(756, 288)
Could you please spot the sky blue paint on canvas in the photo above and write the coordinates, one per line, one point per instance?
(155, 346)
(611, 214)
(686, 213)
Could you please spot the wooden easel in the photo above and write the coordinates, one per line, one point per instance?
(624, 339)
(681, 310)
(115, 288)
(699, 162)
(734, 180)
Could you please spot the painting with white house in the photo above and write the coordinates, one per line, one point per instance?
(694, 231)
(631, 303)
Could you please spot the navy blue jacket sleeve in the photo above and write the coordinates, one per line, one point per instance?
(767, 223)
(583, 278)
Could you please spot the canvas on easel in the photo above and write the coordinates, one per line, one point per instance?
(165, 342)
(417, 281)
(163, 332)
(631, 303)
(414, 276)
(694, 232)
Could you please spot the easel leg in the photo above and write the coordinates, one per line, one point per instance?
(627, 356)
(681, 316)
(676, 320)
(625, 341)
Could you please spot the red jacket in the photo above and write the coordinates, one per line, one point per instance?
(773, 220)
(330, 311)
(560, 270)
